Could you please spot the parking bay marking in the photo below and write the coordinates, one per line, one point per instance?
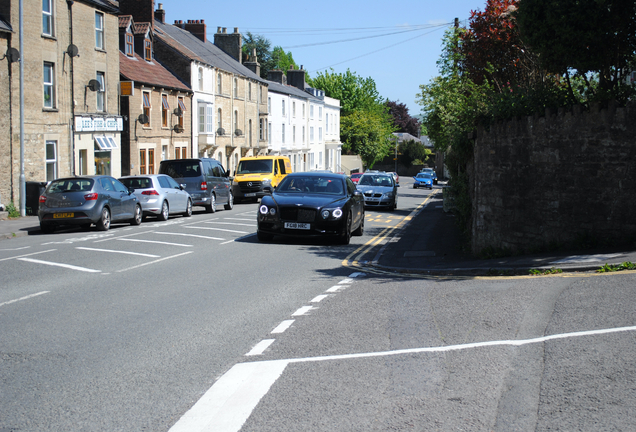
(218, 229)
(230, 223)
(154, 262)
(68, 266)
(31, 254)
(230, 401)
(24, 298)
(191, 235)
(155, 242)
(118, 251)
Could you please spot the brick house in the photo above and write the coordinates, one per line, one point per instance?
(155, 104)
(71, 71)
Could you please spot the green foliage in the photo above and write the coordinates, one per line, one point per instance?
(412, 152)
(283, 60)
(263, 53)
(368, 134)
(627, 265)
(543, 272)
(13, 211)
(354, 92)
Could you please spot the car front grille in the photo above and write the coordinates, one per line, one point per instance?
(372, 195)
(251, 186)
(297, 214)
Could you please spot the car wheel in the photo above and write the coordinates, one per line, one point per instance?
(264, 236)
(212, 207)
(103, 224)
(138, 216)
(414, 187)
(360, 229)
(345, 237)
(188, 211)
(47, 229)
(165, 211)
(230, 202)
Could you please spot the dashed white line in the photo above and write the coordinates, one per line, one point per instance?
(283, 326)
(319, 298)
(303, 310)
(260, 347)
(54, 264)
(191, 235)
(336, 288)
(24, 298)
(118, 252)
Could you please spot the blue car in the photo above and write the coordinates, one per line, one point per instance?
(423, 180)
(432, 172)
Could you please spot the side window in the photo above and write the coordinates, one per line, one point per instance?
(119, 187)
(216, 169)
(281, 164)
(164, 183)
(107, 184)
(172, 182)
(350, 186)
(209, 168)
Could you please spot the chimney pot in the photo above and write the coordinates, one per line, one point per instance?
(236, 30)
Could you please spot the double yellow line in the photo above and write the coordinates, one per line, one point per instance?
(360, 252)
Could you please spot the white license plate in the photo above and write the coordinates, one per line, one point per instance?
(250, 194)
(296, 225)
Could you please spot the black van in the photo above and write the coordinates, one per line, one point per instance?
(205, 180)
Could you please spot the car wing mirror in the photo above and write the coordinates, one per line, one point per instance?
(268, 189)
(182, 187)
(131, 190)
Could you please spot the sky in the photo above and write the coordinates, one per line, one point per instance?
(397, 45)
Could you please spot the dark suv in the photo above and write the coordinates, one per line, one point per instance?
(205, 180)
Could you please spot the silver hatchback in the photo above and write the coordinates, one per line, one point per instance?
(379, 190)
(160, 195)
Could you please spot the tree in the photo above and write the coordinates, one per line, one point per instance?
(353, 91)
(412, 151)
(401, 118)
(263, 52)
(282, 60)
(584, 36)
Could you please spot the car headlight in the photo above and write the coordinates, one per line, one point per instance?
(388, 195)
(267, 182)
(335, 213)
(265, 210)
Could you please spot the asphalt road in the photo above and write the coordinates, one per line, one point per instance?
(191, 324)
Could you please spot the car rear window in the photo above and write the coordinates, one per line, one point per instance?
(137, 183)
(180, 169)
(70, 185)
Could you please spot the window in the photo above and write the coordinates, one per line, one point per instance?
(146, 99)
(283, 134)
(294, 134)
(183, 111)
(142, 161)
(249, 132)
(303, 110)
(99, 30)
(236, 121)
(209, 118)
(249, 90)
(219, 120)
(147, 49)
(320, 134)
(235, 87)
(269, 105)
(311, 134)
(269, 133)
(151, 161)
(49, 85)
(47, 17)
(129, 45)
(51, 160)
(165, 110)
(200, 78)
(283, 108)
(202, 118)
(311, 111)
(326, 123)
(319, 113)
(261, 131)
(219, 84)
(180, 153)
(294, 109)
(303, 134)
(101, 79)
(83, 162)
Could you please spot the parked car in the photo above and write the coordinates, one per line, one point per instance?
(159, 195)
(396, 177)
(432, 172)
(86, 200)
(379, 190)
(311, 204)
(205, 180)
(423, 179)
(355, 177)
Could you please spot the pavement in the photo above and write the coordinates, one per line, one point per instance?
(430, 244)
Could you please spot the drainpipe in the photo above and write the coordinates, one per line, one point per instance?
(22, 178)
(72, 123)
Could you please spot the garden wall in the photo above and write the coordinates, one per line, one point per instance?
(567, 179)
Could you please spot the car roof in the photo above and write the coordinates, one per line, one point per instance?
(316, 174)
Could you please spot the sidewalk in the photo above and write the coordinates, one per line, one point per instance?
(11, 228)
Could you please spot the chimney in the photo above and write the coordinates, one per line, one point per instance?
(296, 77)
(277, 76)
(253, 64)
(197, 28)
(231, 44)
(160, 14)
(142, 11)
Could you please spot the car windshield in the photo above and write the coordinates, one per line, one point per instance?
(181, 169)
(424, 175)
(137, 182)
(311, 184)
(376, 180)
(70, 185)
(254, 166)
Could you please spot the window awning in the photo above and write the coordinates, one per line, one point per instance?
(181, 104)
(164, 101)
(105, 143)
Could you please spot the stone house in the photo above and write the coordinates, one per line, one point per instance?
(155, 104)
(71, 72)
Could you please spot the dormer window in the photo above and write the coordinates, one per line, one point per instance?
(129, 45)
(147, 50)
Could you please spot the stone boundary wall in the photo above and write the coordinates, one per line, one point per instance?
(567, 179)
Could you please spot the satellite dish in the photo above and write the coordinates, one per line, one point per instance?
(143, 119)
(238, 132)
(72, 50)
(13, 55)
(178, 129)
(220, 131)
(94, 85)
(178, 111)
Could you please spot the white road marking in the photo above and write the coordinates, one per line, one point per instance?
(155, 242)
(24, 298)
(260, 347)
(230, 401)
(357, 275)
(124, 236)
(319, 298)
(15, 249)
(231, 223)
(303, 310)
(346, 281)
(219, 229)
(154, 262)
(118, 252)
(283, 326)
(190, 235)
(54, 264)
(336, 288)
(31, 254)
(244, 220)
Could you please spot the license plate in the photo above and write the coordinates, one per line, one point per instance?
(63, 215)
(296, 225)
(250, 194)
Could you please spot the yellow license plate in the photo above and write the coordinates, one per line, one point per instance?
(63, 215)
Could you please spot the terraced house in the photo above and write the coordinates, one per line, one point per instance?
(71, 73)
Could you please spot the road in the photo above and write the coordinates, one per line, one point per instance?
(191, 324)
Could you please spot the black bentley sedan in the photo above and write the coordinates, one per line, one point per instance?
(312, 204)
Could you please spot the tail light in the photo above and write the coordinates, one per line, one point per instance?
(42, 199)
(204, 186)
(91, 196)
(150, 192)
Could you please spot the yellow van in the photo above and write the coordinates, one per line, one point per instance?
(254, 173)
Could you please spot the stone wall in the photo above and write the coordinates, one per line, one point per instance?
(567, 179)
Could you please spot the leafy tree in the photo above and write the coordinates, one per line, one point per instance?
(402, 119)
(597, 36)
(353, 91)
(411, 151)
(283, 60)
(263, 52)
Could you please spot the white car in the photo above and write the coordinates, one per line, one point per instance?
(160, 195)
